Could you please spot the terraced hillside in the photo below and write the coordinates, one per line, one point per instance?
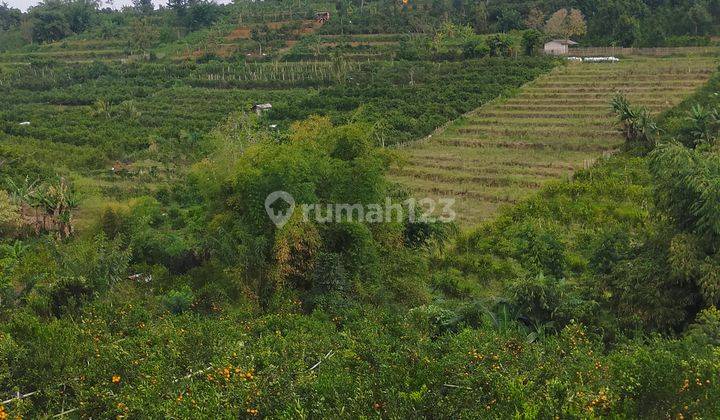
(505, 150)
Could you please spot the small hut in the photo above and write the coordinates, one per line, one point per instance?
(559, 46)
(260, 108)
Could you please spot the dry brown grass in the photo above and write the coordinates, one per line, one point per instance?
(562, 122)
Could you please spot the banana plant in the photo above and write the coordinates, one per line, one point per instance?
(705, 124)
(11, 253)
(59, 202)
(625, 113)
(21, 192)
(27, 194)
(102, 108)
(638, 126)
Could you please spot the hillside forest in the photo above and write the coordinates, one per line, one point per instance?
(142, 277)
(626, 23)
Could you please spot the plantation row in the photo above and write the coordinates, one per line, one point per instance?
(67, 56)
(81, 119)
(407, 100)
(276, 74)
(30, 90)
(502, 152)
(77, 43)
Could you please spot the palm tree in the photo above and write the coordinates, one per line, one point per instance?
(625, 114)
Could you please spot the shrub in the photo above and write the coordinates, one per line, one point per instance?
(453, 284)
(538, 299)
(432, 319)
(706, 329)
(178, 301)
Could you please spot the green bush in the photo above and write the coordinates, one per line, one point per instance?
(178, 301)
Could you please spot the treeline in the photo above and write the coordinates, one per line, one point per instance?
(614, 22)
(54, 20)
(621, 23)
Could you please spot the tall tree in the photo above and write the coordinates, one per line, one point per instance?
(714, 9)
(48, 24)
(27, 32)
(627, 31)
(178, 6)
(9, 17)
(566, 24)
(535, 19)
(144, 7)
(480, 18)
(555, 26)
(200, 14)
(575, 24)
(617, 22)
(699, 18)
(80, 14)
(509, 19)
(143, 35)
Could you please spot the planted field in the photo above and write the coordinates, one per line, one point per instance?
(253, 40)
(70, 50)
(351, 47)
(84, 121)
(504, 151)
(66, 56)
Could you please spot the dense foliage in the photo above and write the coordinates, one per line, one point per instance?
(637, 22)
(140, 275)
(271, 23)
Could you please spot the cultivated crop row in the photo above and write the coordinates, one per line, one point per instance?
(560, 123)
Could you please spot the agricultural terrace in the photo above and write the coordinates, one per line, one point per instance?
(254, 40)
(71, 50)
(350, 47)
(69, 56)
(504, 151)
(147, 120)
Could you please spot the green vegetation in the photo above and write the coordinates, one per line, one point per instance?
(150, 117)
(632, 239)
(257, 30)
(140, 274)
(593, 297)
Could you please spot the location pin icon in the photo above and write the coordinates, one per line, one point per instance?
(279, 217)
